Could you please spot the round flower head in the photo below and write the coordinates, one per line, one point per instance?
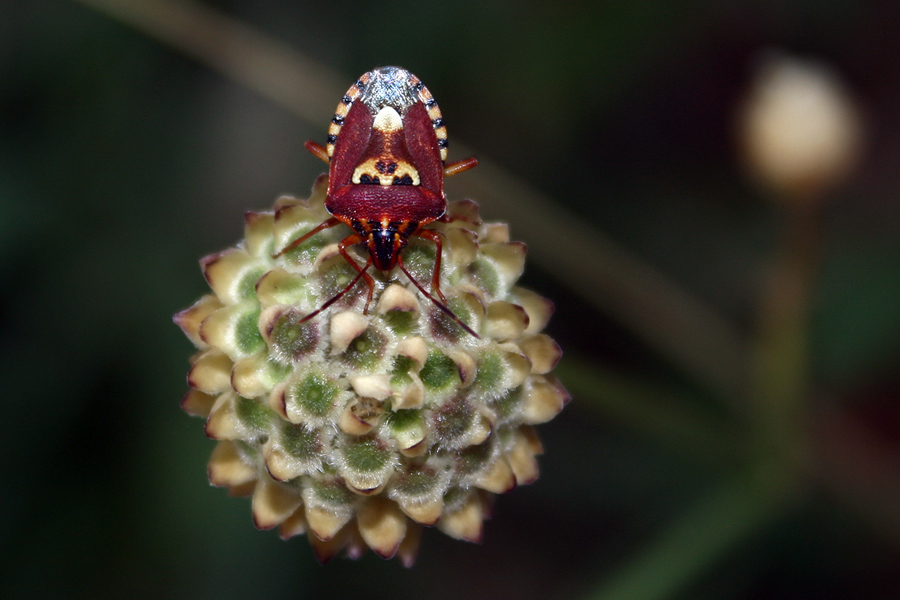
(359, 428)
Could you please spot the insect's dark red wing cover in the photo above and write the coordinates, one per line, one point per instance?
(392, 202)
(422, 144)
(350, 146)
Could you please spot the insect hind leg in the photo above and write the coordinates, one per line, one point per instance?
(360, 274)
(352, 240)
(434, 236)
(434, 300)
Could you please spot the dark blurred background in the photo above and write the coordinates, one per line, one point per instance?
(123, 161)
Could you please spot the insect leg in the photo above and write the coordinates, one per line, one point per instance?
(443, 307)
(325, 225)
(458, 166)
(465, 211)
(317, 150)
(352, 240)
(336, 297)
(434, 236)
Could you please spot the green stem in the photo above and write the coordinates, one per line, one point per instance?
(658, 414)
(237, 51)
(781, 353)
(735, 512)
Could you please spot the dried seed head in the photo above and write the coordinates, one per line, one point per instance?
(357, 429)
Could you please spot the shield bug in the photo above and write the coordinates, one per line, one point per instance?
(387, 151)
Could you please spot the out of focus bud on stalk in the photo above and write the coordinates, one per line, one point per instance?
(800, 131)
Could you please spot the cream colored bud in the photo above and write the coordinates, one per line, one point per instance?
(800, 129)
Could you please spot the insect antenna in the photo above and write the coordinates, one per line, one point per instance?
(437, 303)
(339, 294)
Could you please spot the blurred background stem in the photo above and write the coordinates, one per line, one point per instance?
(779, 452)
(701, 535)
(779, 390)
(655, 412)
(236, 50)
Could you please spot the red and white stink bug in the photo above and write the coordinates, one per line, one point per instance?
(387, 147)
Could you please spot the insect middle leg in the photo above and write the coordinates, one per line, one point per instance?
(324, 225)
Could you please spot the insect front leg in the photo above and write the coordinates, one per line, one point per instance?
(459, 166)
(325, 225)
(317, 150)
(434, 236)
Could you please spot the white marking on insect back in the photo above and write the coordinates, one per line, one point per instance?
(388, 120)
(385, 169)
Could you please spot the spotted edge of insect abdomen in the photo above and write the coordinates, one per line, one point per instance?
(414, 84)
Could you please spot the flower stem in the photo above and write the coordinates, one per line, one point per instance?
(657, 413)
(235, 50)
(734, 512)
(780, 361)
